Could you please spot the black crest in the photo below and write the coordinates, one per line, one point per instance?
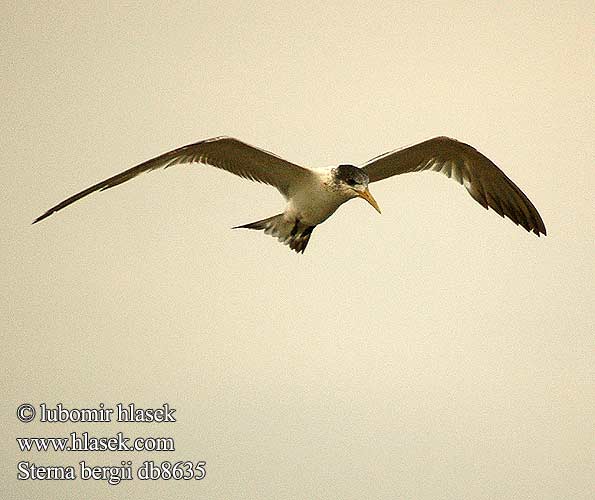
(351, 175)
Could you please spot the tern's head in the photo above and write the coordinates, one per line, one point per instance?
(353, 182)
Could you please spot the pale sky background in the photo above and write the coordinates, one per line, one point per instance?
(433, 351)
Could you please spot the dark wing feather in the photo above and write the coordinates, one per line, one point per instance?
(226, 153)
(484, 181)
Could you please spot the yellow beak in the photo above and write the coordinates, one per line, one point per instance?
(366, 195)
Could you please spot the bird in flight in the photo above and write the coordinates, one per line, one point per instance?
(314, 194)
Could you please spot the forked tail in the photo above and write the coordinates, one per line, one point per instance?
(289, 232)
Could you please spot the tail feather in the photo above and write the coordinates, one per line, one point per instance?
(289, 232)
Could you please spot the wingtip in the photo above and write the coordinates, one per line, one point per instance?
(537, 229)
(41, 217)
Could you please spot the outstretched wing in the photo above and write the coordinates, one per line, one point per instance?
(488, 185)
(226, 153)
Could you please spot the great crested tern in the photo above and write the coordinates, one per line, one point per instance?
(313, 194)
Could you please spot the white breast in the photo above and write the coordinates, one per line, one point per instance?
(315, 201)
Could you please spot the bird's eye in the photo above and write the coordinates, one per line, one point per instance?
(351, 182)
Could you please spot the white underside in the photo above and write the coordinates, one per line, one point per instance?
(314, 201)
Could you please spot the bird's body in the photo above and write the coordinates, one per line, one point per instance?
(311, 201)
(315, 200)
(313, 195)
